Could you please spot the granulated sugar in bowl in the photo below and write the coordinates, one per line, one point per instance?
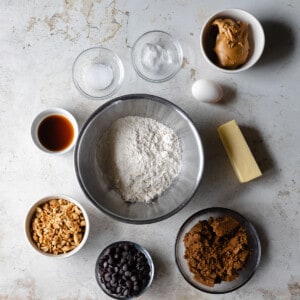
(98, 73)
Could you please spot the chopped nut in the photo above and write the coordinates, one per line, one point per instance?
(57, 226)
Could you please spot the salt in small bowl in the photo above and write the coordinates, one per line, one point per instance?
(98, 73)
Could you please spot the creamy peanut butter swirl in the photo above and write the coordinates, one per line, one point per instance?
(232, 45)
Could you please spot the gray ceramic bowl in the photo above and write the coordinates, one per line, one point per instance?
(244, 274)
(90, 175)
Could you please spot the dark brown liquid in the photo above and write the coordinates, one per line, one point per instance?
(56, 133)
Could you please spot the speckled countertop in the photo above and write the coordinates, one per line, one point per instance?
(39, 41)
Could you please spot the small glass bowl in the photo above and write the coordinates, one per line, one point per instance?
(156, 56)
(109, 62)
(105, 252)
(244, 274)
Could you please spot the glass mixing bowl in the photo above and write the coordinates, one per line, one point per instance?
(92, 179)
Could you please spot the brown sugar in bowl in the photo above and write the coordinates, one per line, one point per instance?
(243, 275)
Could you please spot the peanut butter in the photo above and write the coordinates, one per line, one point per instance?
(232, 45)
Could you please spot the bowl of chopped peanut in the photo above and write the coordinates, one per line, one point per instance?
(57, 226)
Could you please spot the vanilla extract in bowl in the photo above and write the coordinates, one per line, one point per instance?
(56, 133)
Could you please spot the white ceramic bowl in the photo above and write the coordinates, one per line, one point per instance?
(42, 116)
(28, 220)
(256, 38)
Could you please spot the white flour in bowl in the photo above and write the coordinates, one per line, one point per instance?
(140, 157)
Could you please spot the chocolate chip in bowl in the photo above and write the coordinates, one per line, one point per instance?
(124, 270)
(217, 250)
(57, 226)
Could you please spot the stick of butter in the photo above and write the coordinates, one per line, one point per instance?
(238, 151)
